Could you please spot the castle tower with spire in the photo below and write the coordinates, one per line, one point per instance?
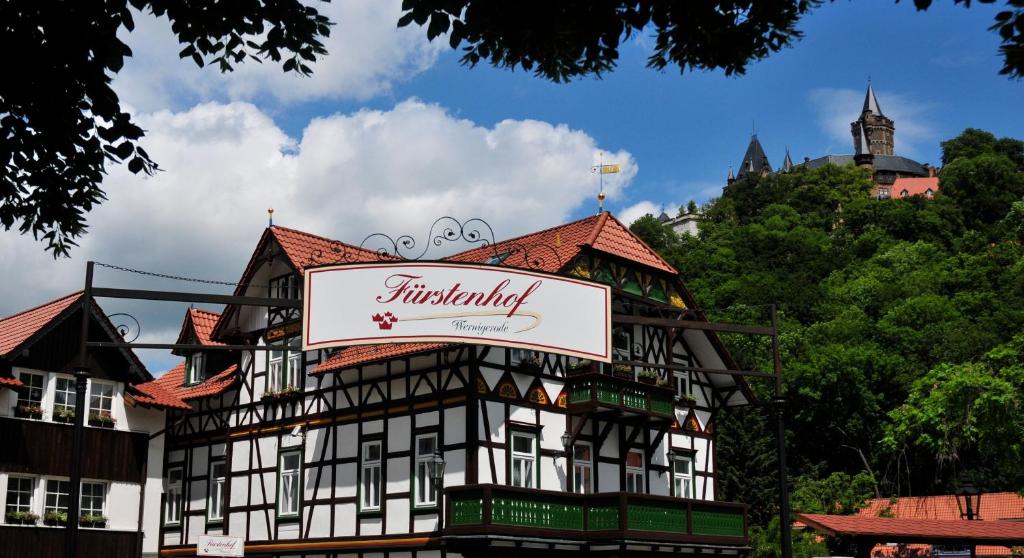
(755, 162)
(873, 133)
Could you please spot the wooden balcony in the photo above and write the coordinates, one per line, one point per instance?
(594, 391)
(604, 518)
(48, 542)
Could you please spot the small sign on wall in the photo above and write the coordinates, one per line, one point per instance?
(359, 304)
(220, 545)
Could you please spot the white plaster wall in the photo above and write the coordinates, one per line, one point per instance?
(151, 513)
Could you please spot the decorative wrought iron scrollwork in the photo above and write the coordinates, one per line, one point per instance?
(337, 252)
(125, 329)
(444, 230)
(538, 256)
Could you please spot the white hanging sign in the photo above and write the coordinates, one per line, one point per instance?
(220, 545)
(359, 304)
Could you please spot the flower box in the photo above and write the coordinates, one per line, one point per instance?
(55, 518)
(649, 377)
(64, 415)
(90, 520)
(623, 371)
(530, 364)
(285, 394)
(580, 366)
(28, 411)
(686, 400)
(102, 419)
(20, 518)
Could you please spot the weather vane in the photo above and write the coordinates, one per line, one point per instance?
(602, 169)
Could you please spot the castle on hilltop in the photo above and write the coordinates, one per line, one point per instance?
(874, 145)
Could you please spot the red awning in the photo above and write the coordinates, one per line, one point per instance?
(884, 529)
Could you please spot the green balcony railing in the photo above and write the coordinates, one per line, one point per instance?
(594, 390)
(495, 509)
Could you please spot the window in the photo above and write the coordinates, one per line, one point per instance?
(634, 471)
(519, 355)
(289, 483)
(682, 380)
(64, 395)
(371, 476)
(582, 469)
(498, 258)
(101, 398)
(215, 504)
(285, 287)
(172, 506)
(682, 477)
(32, 394)
(19, 494)
(93, 496)
(194, 369)
(524, 459)
(284, 366)
(56, 496)
(426, 486)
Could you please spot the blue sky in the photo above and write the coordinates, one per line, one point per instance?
(939, 67)
(392, 132)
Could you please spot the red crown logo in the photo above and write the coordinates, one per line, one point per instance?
(386, 321)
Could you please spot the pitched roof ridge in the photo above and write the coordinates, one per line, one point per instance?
(520, 237)
(652, 251)
(205, 311)
(43, 305)
(596, 232)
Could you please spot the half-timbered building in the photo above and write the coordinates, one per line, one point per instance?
(423, 450)
(122, 444)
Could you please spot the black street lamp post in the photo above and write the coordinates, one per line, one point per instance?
(968, 499)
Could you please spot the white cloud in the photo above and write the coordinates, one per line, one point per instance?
(645, 207)
(837, 108)
(348, 175)
(367, 53)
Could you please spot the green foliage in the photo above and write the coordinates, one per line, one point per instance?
(765, 542)
(897, 326)
(572, 38)
(837, 494)
(63, 123)
(973, 142)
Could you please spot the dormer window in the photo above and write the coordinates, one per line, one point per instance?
(194, 367)
(286, 286)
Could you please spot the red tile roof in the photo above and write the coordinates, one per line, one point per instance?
(362, 354)
(18, 328)
(994, 505)
(202, 322)
(921, 530)
(552, 249)
(10, 382)
(174, 379)
(155, 395)
(304, 249)
(917, 186)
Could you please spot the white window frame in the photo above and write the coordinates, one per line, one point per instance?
(93, 485)
(69, 394)
(370, 476)
(29, 389)
(583, 469)
(47, 492)
(173, 500)
(285, 369)
(215, 491)
(523, 464)
(194, 369)
(635, 475)
(110, 399)
(286, 285)
(425, 488)
(9, 506)
(289, 478)
(680, 481)
(682, 384)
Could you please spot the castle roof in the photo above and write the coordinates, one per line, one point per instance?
(871, 102)
(890, 163)
(755, 162)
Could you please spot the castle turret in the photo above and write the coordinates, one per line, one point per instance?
(755, 162)
(873, 128)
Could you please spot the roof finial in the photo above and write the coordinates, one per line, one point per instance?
(270, 216)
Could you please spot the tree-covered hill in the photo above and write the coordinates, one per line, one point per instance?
(902, 345)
